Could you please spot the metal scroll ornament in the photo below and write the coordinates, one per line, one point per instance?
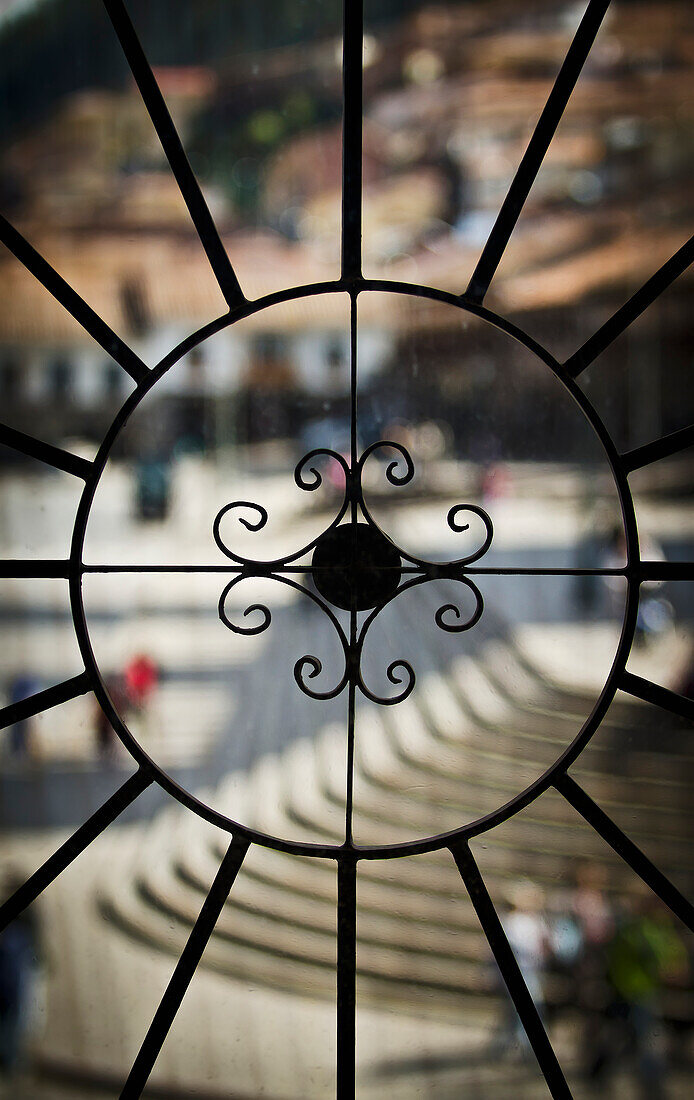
(354, 566)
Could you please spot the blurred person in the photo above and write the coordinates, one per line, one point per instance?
(18, 968)
(590, 548)
(595, 919)
(336, 474)
(686, 685)
(152, 488)
(566, 942)
(141, 678)
(496, 482)
(644, 954)
(402, 432)
(591, 907)
(655, 614)
(529, 937)
(19, 739)
(106, 740)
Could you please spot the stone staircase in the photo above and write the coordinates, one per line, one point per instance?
(472, 734)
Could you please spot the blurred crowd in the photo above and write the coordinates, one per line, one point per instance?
(615, 964)
(131, 692)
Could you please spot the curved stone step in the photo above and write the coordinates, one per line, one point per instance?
(250, 947)
(393, 758)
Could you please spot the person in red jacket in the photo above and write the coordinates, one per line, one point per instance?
(141, 678)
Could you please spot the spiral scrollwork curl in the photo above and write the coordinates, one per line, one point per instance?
(308, 667)
(258, 628)
(393, 474)
(249, 524)
(310, 485)
(455, 525)
(398, 672)
(456, 623)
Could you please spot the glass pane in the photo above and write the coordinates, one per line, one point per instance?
(216, 608)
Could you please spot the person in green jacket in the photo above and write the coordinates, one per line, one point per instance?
(645, 954)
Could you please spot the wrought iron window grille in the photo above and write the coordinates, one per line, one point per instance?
(355, 566)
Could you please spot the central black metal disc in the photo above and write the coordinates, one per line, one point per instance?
(356, 566)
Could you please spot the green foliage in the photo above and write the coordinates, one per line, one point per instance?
(59, 46)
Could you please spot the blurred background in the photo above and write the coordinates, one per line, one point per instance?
(452, 91)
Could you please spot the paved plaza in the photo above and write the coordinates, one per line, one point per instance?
(490, 712)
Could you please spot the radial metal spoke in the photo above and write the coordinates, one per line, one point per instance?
(353, 403)
(510, 971)
(71, 301)
(45, 452)
(664, 447)
(654, 693)
(175, 154)
(535, 153)
(351, 690)
(632, 309)
(533, 571)
(185, 969)
(352, 124)
(624, 847)
(346, 976)
(354, 516)
(436, 570)
(76, 844)
(667, 570)
(44, 700)
(40, 567)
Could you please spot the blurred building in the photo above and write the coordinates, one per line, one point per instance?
(451, 95)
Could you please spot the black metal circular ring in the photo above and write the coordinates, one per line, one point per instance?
(338, 851)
